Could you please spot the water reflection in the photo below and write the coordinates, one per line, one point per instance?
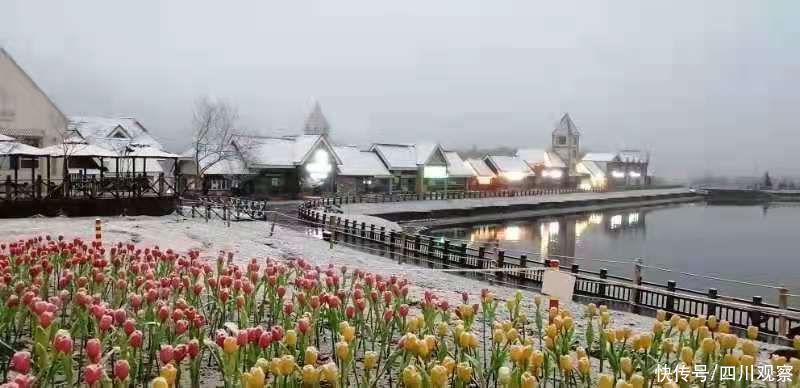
(550, 238)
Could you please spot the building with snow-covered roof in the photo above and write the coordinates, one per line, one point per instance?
(550, 169)
(361, 171)
(512, 171)
(414, 167)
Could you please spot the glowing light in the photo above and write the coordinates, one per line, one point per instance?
(553, 227)
(633, 218)
(634, 174)
(555, 174)
(615, 221)
(484, 180)
(596, 218)
(617, 174)
(319, 168)
(514, 175)
(435, 172)
(580, 226)
(511, 233)
(585, 186)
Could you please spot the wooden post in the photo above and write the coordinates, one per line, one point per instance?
(331, 221)
(463, 257)
(670, 298)
(8, 187)
(637, 282)
(446, 251)
(383, 233)
(601, 289)
(48, 175)
(417, 245)
(482, 257)
(711, 308)
(274, 221)
(16, 177)
(501, 259)
(783, 304)
(755, 314)
(101, 175)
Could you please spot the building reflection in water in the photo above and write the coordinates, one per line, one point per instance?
(550, 238)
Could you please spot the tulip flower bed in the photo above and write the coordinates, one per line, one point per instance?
(85, 313)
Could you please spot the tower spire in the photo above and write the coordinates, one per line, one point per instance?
(316, 123)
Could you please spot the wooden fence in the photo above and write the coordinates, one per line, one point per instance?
(780, 320)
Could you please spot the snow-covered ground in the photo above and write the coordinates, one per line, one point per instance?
(251, 239)
(426, 206)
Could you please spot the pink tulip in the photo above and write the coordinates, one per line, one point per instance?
(21, 362)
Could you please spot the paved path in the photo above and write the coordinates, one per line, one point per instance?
(465, 204)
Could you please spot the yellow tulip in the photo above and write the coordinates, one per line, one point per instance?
(537, 300)
(311, 355)
(580, 352)
(549, 344)
(605, 318)
(168, 372)
(370, 359)
(537, 358)
(512, 335)
(275, 366)
(708, 345)
(160, 382)
(749, 348)
(310, 374)
(230, 345)
(411, 377)
(558, 322)
(724, 326)
(711, 322)
(623, 384)
(349, 333)
(605, 381)
(422, 349)
(796, 342)
(778, 361)
(703, 332)
(658, 327)
(442, 329)
(552, 313)
(752, 332)
(255, 378)
(565, 363)
(343, 350)
(529, 381)
(439, 376)
(687, 355)
(694, 323)
(290, 338)
(410, 342)
(517, 353)
(591, 310)
(747, 360)
(584, 366)
(568, 323)
(263, 364)
(504, 376)
(667, 346)
(330, 372)
(645, 340)
(795, 363)
(673, 320)
(499, 336)
(464, 371)
(637, 381)
(661, 315)
(683, 324)
(449, 364)
(730, 359)
(728, 341)
(551, 331)
(603, 308)
(286, 365)
(626, 365)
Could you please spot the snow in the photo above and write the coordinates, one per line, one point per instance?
(509, 164)
(278, 152)
(356, 162)
(480, 168)
(14, 148)
(591, 168)
(456, 167)
(599, 157)
(398, 156)
(542, 157)
(99, 130)
(632, 156)
(6, 138)
(78, 149)
(425, 152)
(427, 206)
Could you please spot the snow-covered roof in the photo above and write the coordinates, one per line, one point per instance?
(100, 130)
(316, 123)
(508, 164)
(228, 166)
(406, 156)
(534, 157)
(566, 126)
(457, 167)
(591, 168)
(79, 149)
(8, 148)
(600, 157)
(480, 168)
(356, 162)
(281, 152)
(150, 152)
(6, 138)
(632, 156)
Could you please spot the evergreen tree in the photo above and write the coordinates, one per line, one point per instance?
(767, 180)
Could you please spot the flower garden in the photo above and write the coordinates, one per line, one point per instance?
(87, 313)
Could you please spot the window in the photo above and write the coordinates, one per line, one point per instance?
(561, 140)
(275, 182)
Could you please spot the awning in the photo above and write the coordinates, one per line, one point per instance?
(79, 149)
(150, 152)
(10, 148)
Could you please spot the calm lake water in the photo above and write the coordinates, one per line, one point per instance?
(748, 243)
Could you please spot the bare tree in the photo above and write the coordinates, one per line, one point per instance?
(214, 130)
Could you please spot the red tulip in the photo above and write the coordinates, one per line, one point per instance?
(194, 348)
(93, 350)
(241, 337)
(166, 354)
(92, 374)
(403, 310)
(63, 344)
(119, 316)
(180, 353)
(288, 308)
(265, 340)
(24, 381)
(181, 326)
(135, 339)
(45, 319)
(121, 369)
(106, 322)
(21, 362)
(163, 313)
(129, 326)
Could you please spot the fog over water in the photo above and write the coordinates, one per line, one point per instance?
(708, 86)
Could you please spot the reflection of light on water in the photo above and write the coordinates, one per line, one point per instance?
(511, 233)
(633, 218)
(553, 226)
(580, 226)
(596, 218)
(615, 221)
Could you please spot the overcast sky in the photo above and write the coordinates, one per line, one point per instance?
(704, 85)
